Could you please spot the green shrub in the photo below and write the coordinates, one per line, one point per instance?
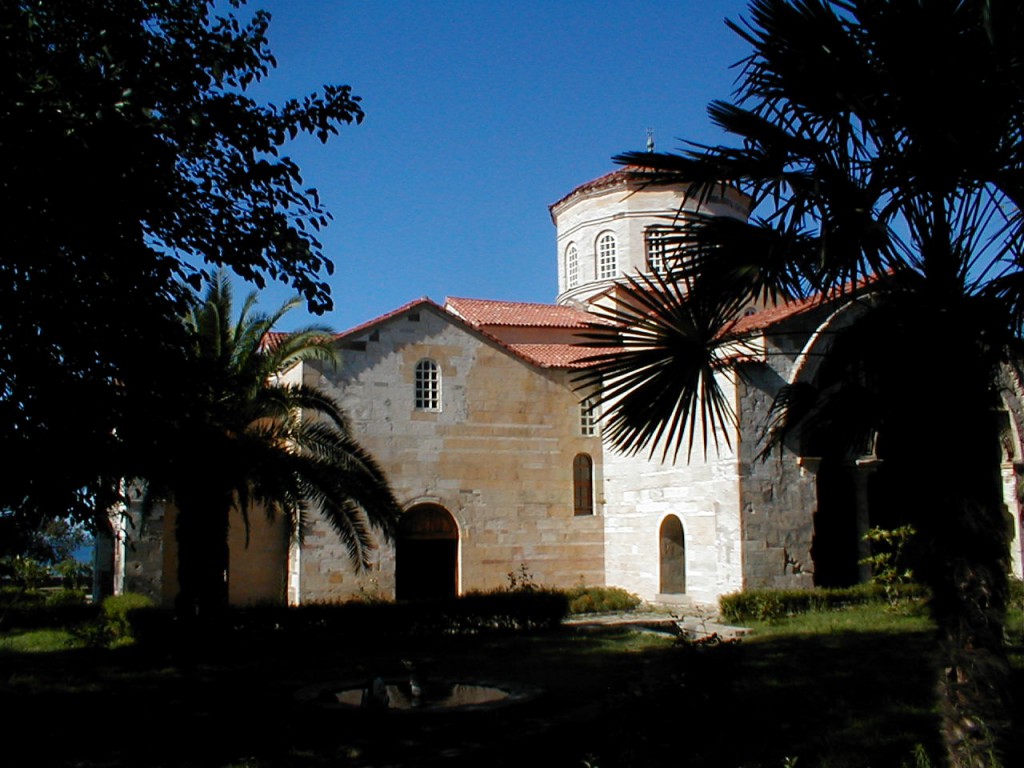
(38, 641)
(473, 613)
(61, 597)
(888, 560)
(43, 608)
(600, 600)
(117, 614)
(774, 604)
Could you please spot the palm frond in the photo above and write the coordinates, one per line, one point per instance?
(259, 442)
(659, 385)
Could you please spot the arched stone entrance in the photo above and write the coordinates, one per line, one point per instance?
(835, 546)
(426, 554)
(672, 557)
(874, 466)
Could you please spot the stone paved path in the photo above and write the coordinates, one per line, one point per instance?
(673, 623)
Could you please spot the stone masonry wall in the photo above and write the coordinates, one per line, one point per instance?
(779, 495)
(498, 456)
(702, 491)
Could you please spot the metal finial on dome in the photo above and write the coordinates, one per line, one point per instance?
(650, 139)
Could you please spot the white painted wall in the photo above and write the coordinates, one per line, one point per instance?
(639, 493)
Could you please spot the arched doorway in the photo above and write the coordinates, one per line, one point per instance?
(672, 557)
(834, 548)
(426, 554)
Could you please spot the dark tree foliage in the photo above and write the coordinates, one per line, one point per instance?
(50, 544)
(876, 139)
(130, 152)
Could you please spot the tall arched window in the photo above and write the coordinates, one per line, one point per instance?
(572, 266)
(657, 241)
(582, 485)
(666, 248)
(428, 386)
(607, 258)
(672, 556)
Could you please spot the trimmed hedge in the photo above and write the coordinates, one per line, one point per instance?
(601, 600)
(772, 604)
(473, 613)
(119, 612)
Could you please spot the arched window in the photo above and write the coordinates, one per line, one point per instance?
(428, 386)
(582, 485)
(607, 258)
(572, 266)
(672, 556)
(657, 241)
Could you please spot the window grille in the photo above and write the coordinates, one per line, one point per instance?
(607, 258)
(572, 266)
(428, 386)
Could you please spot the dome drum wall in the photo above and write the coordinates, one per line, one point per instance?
(602, 229)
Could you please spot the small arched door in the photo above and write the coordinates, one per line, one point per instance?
(672, 557)
(426, 554)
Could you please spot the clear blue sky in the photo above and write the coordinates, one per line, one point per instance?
(479, 114)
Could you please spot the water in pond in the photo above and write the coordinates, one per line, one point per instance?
(406, 696)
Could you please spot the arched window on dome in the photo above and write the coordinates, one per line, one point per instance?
(582, 485)
(657, 239)
(665, 248)
(607, 257)
(572, 266)
(428, 386)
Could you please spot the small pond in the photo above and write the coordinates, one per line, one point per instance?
(406, 694)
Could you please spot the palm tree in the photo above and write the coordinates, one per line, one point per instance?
(878, 141)
(246, 437)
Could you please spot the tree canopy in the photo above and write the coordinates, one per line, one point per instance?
(133, 157)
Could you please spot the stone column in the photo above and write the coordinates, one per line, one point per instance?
(294, 586)
(862, 470)
(1009, 476)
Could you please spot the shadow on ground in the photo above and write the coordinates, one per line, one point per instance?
(610, 698)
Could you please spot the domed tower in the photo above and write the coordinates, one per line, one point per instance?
(616, 225)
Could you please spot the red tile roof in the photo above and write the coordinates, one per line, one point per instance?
(387, 316)
(772, 315)
(620, 176)
(557, 355)
(271, 339)
(483, 312)
(541, 355)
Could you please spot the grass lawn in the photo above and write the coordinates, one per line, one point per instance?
(841, 690)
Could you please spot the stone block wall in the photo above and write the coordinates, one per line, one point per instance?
(256, 568)
(778, 496)
(702, 491)
(497, 456)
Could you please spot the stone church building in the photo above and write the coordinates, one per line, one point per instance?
(471, 409)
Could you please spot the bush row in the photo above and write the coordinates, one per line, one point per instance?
(473, 613)
(772, 604)
(43, 608)
(515, 609)
(600, 600)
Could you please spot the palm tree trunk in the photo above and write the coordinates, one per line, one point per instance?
(202, 536)
(945, 445)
